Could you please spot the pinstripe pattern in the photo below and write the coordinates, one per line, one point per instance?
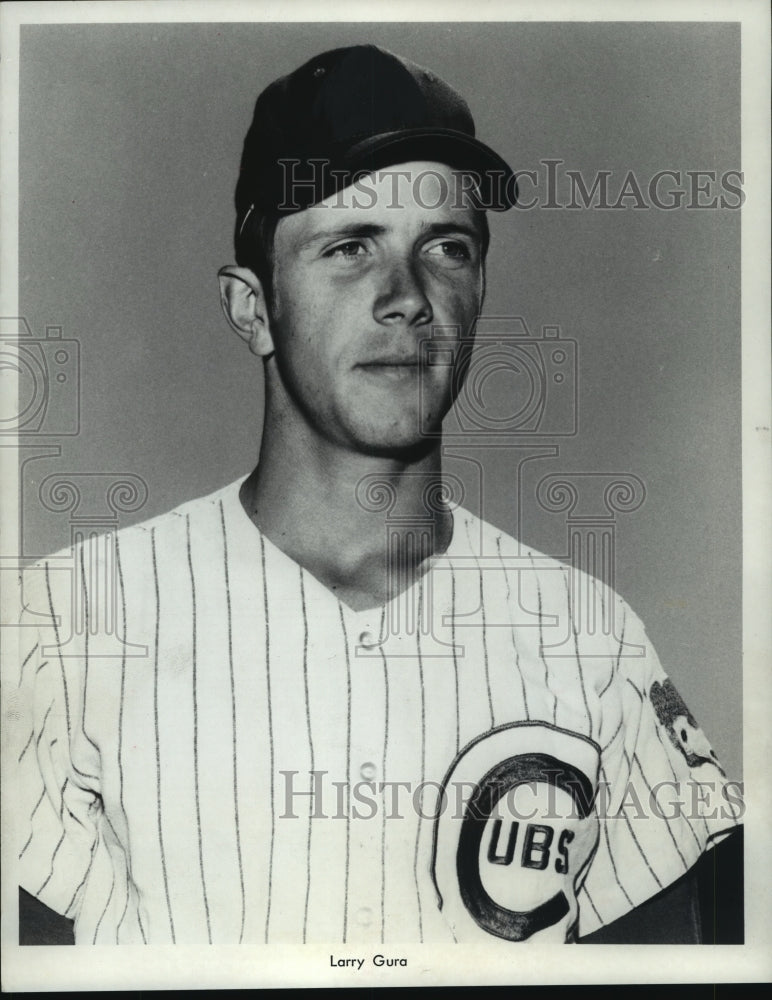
(104, 911)
(637, 690)
(455, 654)
(251, 673)
(348, 770)
(127, 872)
(81, 885)
(635, 840)
(125, 909)
(423, 753)
(58, 645)
(615, 667)
(26, 746)
(89, 777)
(614, 735)
(675, 778)
(158, 733)
(83, 881)
(194, 659)
(32, 814)
(86, 630)
(71, 814)
(53, 862)
(270, 732)
(384, 767)
(483, 630)
(579, 668)
(237, 825)
(26, 660)
(310, 747)
(512, 632)
(541, 644)
(642, 773)
(42, 731)
(127, 849)
(122, 592)
(594, 907)
(61, 790)
(613, 863)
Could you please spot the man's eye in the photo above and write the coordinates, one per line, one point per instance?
(351, 248)
(452, 249)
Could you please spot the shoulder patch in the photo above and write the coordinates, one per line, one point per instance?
(681, 726)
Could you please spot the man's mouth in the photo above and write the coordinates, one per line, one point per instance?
(392, 367)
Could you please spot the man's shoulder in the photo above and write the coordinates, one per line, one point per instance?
(557, 584)
(189, 516)
(491, 543)
(196, 512)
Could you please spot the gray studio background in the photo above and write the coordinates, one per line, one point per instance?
(130, 142)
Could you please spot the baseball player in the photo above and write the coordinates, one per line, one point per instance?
(348, 710)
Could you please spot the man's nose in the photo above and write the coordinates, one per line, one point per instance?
(402, 296)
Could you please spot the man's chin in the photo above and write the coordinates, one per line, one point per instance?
(406, 447)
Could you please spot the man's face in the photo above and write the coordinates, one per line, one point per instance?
(360, 280)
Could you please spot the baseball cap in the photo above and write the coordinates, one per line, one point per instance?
(351, 111)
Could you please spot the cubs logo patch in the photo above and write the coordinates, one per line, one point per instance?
(513, 846)
(681, 727)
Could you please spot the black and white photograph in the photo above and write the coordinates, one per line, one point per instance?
(385, 441)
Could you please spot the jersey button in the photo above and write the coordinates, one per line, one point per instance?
(364, 916)
(368, 771)
(367, 638)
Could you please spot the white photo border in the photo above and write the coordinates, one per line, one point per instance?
(58, 969)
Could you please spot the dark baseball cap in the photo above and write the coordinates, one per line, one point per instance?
(352, 111)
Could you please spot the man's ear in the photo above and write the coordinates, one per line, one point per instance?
(243, 302)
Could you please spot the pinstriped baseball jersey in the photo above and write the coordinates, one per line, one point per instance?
(495, 755)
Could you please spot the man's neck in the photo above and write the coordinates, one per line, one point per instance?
(364, 526)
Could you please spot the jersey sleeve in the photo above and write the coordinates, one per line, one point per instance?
(663, 796)
(56, 799)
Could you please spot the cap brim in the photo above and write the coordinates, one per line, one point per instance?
(496, 181)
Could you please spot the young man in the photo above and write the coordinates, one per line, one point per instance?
(356, 720)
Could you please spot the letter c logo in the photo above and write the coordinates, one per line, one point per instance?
(496, 919)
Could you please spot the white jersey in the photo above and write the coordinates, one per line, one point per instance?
(496, 755)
